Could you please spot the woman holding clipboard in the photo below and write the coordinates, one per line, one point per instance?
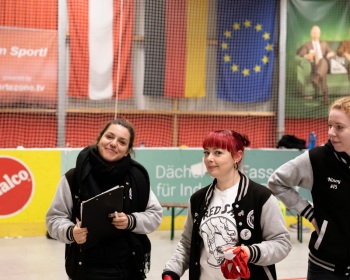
(124, 252)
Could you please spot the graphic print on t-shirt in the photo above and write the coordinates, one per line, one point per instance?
(219, 231)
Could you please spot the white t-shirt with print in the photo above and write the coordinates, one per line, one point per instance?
(219, 231)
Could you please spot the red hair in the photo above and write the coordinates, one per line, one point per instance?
(229, 140)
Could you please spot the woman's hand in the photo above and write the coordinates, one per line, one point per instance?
(80, 234)
(246, 250)
(120, 220)
(314, 223)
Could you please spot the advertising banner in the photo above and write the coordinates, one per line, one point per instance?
(176, 174)
(317, 56)
(28, 72)
(28, 181)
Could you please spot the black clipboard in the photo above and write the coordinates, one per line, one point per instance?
(94, 215)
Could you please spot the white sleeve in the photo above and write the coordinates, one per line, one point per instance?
(149, 220)
(296, 172)
(276, 243)
(58, 217)
(179, 261)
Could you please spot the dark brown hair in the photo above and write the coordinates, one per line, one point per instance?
(125, 123)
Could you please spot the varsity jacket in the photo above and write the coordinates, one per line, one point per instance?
(322, 172)
(66, 205)
(260, 226)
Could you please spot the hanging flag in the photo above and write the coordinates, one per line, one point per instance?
(246, 34)
(100, 34)
(175, 48)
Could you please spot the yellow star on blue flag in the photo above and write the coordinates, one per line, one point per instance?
(246, 34)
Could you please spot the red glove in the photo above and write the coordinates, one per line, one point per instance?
(235, 264)
(167, 277)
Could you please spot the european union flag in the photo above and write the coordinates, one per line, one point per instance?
(246, 34)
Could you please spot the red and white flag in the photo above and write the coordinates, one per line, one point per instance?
(100, 40)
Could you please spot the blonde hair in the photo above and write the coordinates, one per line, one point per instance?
(342, 104)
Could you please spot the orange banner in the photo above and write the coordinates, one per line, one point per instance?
(28, 72)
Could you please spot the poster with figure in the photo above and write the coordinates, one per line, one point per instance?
(317, 56)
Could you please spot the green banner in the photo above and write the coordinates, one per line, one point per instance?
(305, 91)
(176, 174)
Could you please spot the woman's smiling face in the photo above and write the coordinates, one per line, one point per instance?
(219, 162)
(114, 143)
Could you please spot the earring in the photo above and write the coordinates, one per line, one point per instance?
(235, 166)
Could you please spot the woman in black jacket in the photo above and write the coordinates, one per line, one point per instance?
(233, 212)
(124, 253)
(325, 171)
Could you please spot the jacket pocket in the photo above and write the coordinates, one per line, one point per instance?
(321, 235)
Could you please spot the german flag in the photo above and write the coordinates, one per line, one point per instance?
(175, 48)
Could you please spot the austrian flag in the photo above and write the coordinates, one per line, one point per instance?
(100, 40)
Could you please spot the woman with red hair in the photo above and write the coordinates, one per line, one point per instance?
(234, 227)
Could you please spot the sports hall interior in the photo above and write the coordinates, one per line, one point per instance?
(176, 70)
